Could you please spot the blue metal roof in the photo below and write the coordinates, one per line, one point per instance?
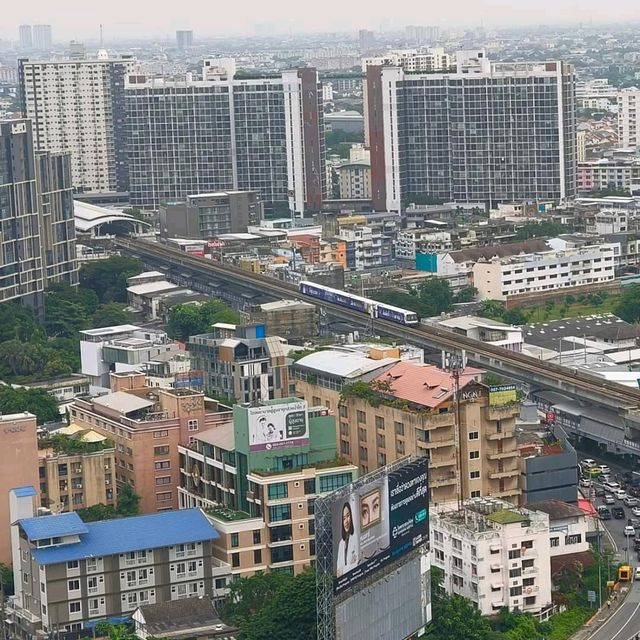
(122, 535)
(24, 492)
(62, 524)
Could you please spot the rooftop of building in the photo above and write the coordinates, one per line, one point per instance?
(556, 509)
(123, 402)
(110, 331)
(343, 362)
(606, 326)
(12, 417)
(424, 384)
(185, 618)
(507, 516)
(283, 305)
(348, 115)
(147, 288)
(121, 535)
(499, 251)
(472, 322)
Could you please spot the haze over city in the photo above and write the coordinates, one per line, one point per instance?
(146, 19)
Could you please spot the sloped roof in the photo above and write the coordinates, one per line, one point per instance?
(63, 524)
(556, 509)
(499, 251)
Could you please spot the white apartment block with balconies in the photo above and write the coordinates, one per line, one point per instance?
(629, 118)
(501, 278)
(494, 554)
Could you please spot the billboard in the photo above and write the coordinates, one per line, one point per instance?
(502, 394)
(277, 426)
(374, 523)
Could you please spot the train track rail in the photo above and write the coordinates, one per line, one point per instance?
(589, 386)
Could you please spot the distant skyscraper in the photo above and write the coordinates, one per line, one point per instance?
(629, 118)
(489, 132)
(26, 39)
(42, 37)
(184, 39)
(366, 40)
(78, 106)
(195, 136)
(38, 234)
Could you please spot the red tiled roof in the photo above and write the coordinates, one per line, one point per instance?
(425, 384)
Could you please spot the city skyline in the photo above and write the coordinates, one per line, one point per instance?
(124, 20)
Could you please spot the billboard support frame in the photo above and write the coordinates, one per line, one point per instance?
(325, 597)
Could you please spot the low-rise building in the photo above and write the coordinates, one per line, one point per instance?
(76, 469)
(355, 180)
(241, 362)
(257, 478)
(119, 349)
(294, 320)
(492, 332)
(501, 278)
(71, 574)
(494, 554)
(147, 425)
(172, 370)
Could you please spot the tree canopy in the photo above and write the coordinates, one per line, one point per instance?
(108, 278)
(127, 504)
(430, 298)
(187, 320)
(628, 307)
(36, 401)
(543, 229)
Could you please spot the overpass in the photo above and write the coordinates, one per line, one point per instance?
(543, 375)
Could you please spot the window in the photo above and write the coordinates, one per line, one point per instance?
(256, 536)
(280, 512)
(474, 455)
(475, 494)
(362, 434)
(165, 464)
(515, 591)
(361, 416)
(474, 475)
(74, 607)
(278, 490)
(332, 482)
(257, 556)
(221, 583)
(73, 564)
(309, 487)
(555, 542)
(527, 544)
(514, 554)
(400, 446)
(573, 539)
(398, 427)
(161, 434)
(515, 573)
(163, 480)
(234, 540)
(192, 425)
(456, 543)
(473, 435)
(74, 585)
(164, 496)
(379, 422)
(311, 506)
(161, 451)
(235, 560)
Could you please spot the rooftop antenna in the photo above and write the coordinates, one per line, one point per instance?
(101, 38)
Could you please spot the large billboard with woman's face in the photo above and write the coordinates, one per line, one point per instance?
(376, 522)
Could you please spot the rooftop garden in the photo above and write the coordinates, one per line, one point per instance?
(227, 514)
(65, 444)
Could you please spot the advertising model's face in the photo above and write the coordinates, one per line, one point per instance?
(370, 509)
(346, 519)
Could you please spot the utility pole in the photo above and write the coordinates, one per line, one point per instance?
(455, 367)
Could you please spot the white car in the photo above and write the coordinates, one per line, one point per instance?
(588, 463)
(629, 531)
(620, 494)
(636, 574)
(636, 511)
(586, 483)
(612, 487)
(608, 499)
(604, 469)
(630, 501)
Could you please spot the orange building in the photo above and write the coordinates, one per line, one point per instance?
(18, 467)
(147, 425)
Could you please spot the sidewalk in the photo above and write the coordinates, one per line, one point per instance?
(605, 614)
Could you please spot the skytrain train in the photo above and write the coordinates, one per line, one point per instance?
(372, 308)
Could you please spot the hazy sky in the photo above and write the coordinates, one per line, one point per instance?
(146, 18)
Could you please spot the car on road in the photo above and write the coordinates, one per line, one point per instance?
(604, 469)
(630, 501)
(629, 531)
(611, 486)
(591, 472)
(634, 491)
(585, 483)
(620, 494)
(636, 573)
(587, 463)
(618, 513)
(604, 513)
(636, 511)
(608, 499)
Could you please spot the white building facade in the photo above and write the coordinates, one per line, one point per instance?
(494, 554)
(500, 278)
(629, 118)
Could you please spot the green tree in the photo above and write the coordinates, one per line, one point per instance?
(111, 314)
(436, 294)
(187, 320)
(18, 323)
(97, 512)
(493, 309)
(515, 316)
(544, 229)
(36, 401)
(249, 595)
(115, 631)
(6, 579)
(108, 278)
(455, 618)
(64, 318)
(288, 614)
(628, 307)
(466, 294)
(128, 503)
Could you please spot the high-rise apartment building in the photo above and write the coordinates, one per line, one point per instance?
(77, 106)
(184, 39)
(25, 36)
(42, 37)
(488, 132)
(37, 238)
(629, 118)
(223, 133)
